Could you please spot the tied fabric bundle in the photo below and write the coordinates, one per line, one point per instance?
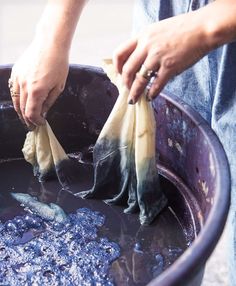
(124, 157)
(43, 151)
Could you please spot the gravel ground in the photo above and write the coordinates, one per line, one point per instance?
(92, 42)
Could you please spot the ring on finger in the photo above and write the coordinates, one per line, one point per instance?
(13, 92)
(147, 73)
(148, 87)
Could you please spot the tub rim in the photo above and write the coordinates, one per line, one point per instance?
(195, 257)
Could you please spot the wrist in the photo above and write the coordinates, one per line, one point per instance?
(219, 23)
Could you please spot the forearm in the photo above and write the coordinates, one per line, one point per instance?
(40, 74)
(219, 21)
(58, 22)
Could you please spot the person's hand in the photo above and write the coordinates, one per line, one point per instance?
(38, 78)
(165, 49)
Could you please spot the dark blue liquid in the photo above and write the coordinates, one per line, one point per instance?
(145, 251)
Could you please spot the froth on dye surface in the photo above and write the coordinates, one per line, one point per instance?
(36, 251)
(145, 251)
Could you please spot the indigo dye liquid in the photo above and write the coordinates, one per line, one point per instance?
(98, 244)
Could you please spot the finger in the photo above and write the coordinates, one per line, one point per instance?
(140, 83)
(33, 107)
(15, 96)
(159, 83)
(137, 88)
(16, 105)
(122, 53)
(50, 100)
(132, 66)
(15, 91)
(23, 99)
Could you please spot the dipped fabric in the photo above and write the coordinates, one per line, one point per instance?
(49, 160)
(124, 157)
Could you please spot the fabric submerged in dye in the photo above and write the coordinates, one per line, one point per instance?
(43, 151)
(124, 157)
(49, 212)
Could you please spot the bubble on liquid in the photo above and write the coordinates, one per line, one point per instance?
(171, 253)
(158, 265)
(138, 247)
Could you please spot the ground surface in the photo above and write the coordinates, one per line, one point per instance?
(97, 35)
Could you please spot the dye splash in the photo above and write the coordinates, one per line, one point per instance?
(45, 251)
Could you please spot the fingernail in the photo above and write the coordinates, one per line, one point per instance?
(44, 114)
(131, 101)
(148, 99)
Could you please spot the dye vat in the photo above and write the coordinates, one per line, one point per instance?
(192, 164)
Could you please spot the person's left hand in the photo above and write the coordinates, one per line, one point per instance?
(167, 47)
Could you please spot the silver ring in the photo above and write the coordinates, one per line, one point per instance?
(146, 73)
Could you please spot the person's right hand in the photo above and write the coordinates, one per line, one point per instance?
(39, 77)
(167, 48)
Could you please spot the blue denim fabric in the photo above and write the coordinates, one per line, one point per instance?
(209, 87)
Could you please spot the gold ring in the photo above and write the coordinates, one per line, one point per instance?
(147, 74)
(12, 91)
(15, 94)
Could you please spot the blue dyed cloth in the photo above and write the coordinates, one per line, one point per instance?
(209, 87)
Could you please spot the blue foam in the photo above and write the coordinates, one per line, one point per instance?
(38, 251)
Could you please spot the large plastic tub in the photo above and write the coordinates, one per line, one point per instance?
(190, 158)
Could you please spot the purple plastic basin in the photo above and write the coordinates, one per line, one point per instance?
(190, 157)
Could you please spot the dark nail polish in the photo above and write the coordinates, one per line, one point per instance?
(131, 101)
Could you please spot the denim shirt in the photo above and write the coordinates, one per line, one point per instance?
(209, 87)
